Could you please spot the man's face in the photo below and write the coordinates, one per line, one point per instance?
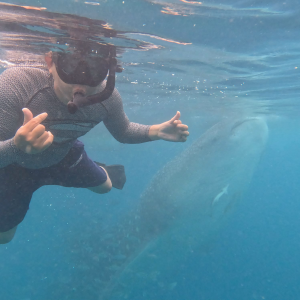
(66, 91)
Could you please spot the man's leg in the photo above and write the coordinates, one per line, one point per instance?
(104, 187)
(16, 188)
(6, 237)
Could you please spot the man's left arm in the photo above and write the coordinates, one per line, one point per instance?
(172, 130)
(128, 132)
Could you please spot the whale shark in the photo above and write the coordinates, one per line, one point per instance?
(187, 202)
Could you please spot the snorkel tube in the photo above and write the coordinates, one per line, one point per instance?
(80, 100)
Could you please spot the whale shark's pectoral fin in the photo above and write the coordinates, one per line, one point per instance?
(223, 192)
(220, 202)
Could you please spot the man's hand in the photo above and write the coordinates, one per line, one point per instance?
(173, 130)
(32, 137)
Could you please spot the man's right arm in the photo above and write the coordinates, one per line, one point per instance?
(11, 103)
(10, 120)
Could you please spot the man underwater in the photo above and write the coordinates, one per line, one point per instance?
(42, 113)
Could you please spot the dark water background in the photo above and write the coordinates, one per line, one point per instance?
(242, 57)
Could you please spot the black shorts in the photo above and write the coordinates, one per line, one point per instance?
(17, 184)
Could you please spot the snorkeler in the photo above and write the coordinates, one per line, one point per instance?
(42, 113)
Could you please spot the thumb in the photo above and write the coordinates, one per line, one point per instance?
(176, 117)
(27, 115)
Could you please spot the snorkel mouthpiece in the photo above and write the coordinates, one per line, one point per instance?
(79, 100)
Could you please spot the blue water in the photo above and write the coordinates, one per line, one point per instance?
(210, 60)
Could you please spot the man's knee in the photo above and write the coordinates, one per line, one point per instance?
(103, 188)
(7, 236)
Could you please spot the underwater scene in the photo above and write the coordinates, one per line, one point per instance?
(149, 149)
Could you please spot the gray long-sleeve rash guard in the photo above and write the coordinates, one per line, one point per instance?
(32, 87)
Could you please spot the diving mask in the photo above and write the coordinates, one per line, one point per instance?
(77, 68)
(80, 68)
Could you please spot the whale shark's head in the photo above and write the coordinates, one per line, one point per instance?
(233, 135)
(228, 145)
(249, 131)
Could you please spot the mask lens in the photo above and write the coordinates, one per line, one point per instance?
(98, 67)
(68, 62)
(70, 68)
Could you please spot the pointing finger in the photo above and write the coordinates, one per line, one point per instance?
(30, 125)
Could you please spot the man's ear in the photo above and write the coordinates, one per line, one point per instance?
(48, 60)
